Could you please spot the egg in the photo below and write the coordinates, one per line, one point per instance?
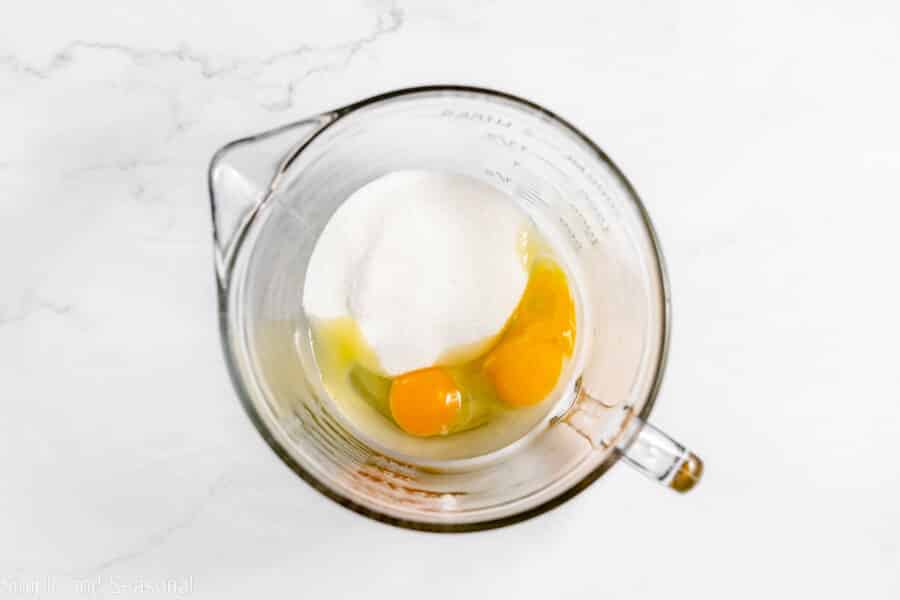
(546, 310)
(425, 402)
(524, 369)
(525, 365)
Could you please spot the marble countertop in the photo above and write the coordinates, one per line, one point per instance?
(765, 140)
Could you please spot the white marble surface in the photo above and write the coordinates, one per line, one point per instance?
(765, 139)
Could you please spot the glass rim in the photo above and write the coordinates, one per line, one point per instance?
(224, 287)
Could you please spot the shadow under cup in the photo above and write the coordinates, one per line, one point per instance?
(277, 191)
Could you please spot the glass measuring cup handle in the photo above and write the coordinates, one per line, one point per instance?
(639, 444)
(652, 452)
(242, 176)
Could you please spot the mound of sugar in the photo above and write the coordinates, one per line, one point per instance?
(425, 263)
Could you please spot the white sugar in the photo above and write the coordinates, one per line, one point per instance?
(424, 262)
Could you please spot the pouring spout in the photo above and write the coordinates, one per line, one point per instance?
(242, 176)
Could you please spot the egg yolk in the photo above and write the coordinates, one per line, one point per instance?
(526, 364)
(425, 402)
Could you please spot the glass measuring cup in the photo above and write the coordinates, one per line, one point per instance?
(272, 195)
